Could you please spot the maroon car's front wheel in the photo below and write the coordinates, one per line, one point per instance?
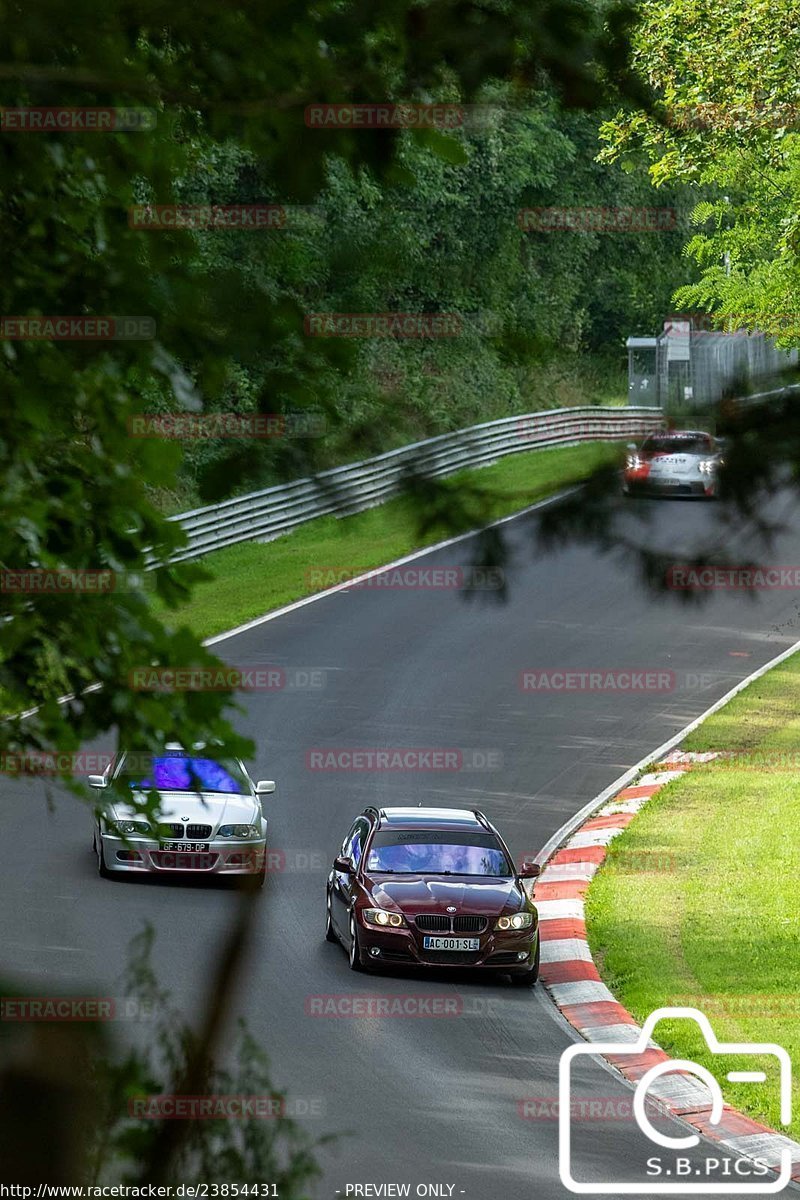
(528, 978)
(330, 935)
(354, 950)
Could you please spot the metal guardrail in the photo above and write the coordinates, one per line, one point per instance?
(264, 515)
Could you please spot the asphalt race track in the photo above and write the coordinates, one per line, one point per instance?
(418, 1100)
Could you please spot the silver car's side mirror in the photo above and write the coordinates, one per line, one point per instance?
(97, 781)
(632, 446)
(265, 787)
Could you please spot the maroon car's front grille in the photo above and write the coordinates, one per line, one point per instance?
(434, 923)
(469, 924)
(430, 922)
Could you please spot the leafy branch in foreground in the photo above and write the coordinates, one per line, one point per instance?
(88, 1092)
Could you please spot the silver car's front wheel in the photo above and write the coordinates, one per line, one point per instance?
(102, 869)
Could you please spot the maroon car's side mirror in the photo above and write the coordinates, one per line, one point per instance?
(529, 870)
(343, 864)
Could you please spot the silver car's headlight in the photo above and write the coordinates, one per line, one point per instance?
(127, 828)
(708, 466)
(239, 831)
(520, 920)
(382, 918)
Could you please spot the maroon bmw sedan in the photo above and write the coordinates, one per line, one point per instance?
(432, 887)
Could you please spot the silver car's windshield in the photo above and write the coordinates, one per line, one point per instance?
(182, 773)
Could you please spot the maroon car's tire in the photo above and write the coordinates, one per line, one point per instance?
(528, 978)
(330, 935)
(354, 950)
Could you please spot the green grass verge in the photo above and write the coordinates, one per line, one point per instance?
(251, 579)
(698, 901)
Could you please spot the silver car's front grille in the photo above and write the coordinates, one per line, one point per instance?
(195, 833)
(171, 831)
(198, 833)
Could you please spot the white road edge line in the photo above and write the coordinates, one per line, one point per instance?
(399, 562)
(544, 995)
(571, 825)
(340, 587)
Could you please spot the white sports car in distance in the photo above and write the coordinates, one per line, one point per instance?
(211, 817)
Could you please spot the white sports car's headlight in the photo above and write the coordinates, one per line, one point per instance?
(520, 920)
(239, 831)
(708, 466)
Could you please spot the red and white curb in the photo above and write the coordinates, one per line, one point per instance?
(573, 981)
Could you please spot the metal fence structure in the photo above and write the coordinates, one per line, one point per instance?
(264, 515)
(687, 365)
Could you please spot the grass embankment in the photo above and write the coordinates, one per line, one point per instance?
(251, 579)
(711, 917)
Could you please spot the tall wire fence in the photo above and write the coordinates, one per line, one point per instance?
(690, 366)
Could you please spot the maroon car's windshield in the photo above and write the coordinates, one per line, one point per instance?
(436, 852)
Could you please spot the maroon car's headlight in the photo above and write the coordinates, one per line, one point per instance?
(381, 918)
(520, 920)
